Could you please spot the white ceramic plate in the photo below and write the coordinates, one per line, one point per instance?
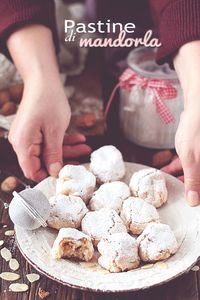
(184, 220)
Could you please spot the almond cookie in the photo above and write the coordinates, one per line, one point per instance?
(72, 243)
(77, 181)
(100, 223)
(66, 211)
(137, 214)
(150, 185)
(110, 195)
(157, 242)
(107, 164)
(119, 252)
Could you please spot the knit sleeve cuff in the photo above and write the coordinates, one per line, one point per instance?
(179, 24)
(15, 14)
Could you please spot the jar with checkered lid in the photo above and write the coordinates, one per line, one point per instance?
(151, 101)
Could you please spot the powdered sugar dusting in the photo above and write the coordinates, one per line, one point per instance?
(103, 222)
(184, 220)
(138, 213)
(157, 239)
(76, 180)
(107, 164)
(110, 195)
(119, 252)
(150, 185)
(70, 233)
(66, 211)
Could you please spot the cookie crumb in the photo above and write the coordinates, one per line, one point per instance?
(43, 294)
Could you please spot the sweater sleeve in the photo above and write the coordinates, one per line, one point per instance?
(18, 13)
(178, 22)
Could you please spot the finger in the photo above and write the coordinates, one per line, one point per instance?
(72, 163)
(174, 157)
(52, 152)
(30, 163)
(174, 167)
(192, 186)
(74, 138)
(76, 151)
(181, 178)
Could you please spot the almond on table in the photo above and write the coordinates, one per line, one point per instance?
(16, 92)
(162, 158)
(10, 184)
(33, 277)
(9, 232)
(4, 97)
(9, 276)
(6, 254)
(18, 287)
(8, 108)
(13, 264)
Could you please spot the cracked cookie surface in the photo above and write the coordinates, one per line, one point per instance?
(137, 214)
(76, 181)
(119, 252)
(66, 211)
(110, 195)
(150, 185)
(157, 242)
(100, 223)
(107, 164)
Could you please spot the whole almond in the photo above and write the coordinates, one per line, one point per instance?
(162, 158)
(8, 108)
(86, 120)
(16, 92)
(32, 277)
(4, 97)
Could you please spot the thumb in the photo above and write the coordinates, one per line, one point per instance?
(53, 153)
(192, 183)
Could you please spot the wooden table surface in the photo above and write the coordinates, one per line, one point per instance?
(187, 287)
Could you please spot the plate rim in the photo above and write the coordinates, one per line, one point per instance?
(87, 289)
(96, 290)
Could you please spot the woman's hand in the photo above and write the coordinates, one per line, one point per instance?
(38, 134)
(174, 168)
(188, 150)
(187, 65)
(38, 131)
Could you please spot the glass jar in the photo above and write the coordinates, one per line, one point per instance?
(140, 119)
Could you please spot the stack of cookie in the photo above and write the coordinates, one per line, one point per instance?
(96, 209)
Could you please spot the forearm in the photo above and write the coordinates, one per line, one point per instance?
(38, 129)
(187, 66)
(33, 52)
(16, 14)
